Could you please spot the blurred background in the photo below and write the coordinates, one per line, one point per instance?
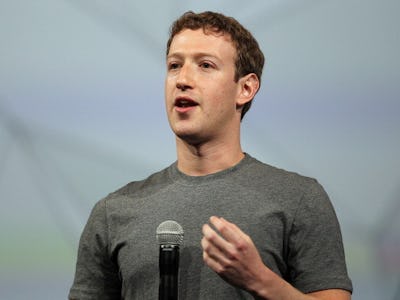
(82, 113)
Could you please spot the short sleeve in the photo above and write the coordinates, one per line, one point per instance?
(96, 275)
(316, 257)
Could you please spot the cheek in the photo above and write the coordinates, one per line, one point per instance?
(167, 90)
(225, 99)
(166, 85)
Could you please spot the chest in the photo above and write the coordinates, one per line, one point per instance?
(133, 232)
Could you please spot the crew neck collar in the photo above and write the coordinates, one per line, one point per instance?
(180, 177)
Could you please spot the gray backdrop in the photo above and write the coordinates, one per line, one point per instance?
(82, 113)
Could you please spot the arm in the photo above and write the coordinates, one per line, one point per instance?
(96, 275)
(233, 255)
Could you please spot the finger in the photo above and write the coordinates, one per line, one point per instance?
(226, 253)
(212, 263)
(217, 247)
(214, 238)
(229, 231)
(213, 256)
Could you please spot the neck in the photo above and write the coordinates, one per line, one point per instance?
(207, 158)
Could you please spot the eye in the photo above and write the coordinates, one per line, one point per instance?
(173, 66)
(205, 65)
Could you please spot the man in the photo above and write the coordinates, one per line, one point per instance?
(282, 240)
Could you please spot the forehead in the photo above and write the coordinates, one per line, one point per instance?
(189, 41)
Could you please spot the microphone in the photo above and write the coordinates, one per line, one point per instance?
(169, 237)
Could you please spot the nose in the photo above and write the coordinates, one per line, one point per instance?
(184, 80)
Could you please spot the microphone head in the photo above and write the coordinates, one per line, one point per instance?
(169, 233)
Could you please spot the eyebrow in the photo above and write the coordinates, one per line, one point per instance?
(196, 55)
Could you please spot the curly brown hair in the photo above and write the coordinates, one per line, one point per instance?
(249, 59)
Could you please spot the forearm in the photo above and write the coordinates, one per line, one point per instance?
(270, 286)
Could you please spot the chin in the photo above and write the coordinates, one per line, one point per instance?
(189, 137)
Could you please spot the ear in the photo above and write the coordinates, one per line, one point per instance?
(248, 87)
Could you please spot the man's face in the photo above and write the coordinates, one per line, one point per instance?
(200, 91)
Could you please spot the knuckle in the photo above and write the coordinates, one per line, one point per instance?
(205, 245)
(211, 237)
(234, 255)
(223, 229)
(241, 245)
(220, 269)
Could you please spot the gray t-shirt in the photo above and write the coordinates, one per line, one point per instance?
(289, 217)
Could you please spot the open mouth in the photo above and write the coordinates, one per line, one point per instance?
(184, 102)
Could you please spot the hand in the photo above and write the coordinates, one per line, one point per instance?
(232, 254)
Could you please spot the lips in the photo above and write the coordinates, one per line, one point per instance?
(184, 102)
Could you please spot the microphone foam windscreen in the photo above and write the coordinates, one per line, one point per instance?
(169, 233)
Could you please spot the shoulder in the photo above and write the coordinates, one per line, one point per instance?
(139, 189)
(289, 190)
(265, 174)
